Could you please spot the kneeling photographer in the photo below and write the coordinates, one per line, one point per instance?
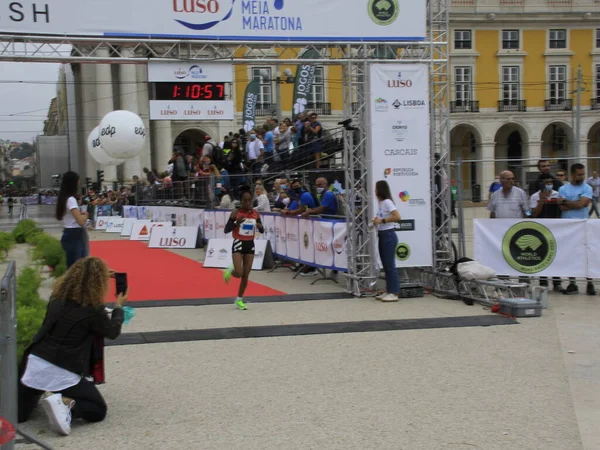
(57, 364)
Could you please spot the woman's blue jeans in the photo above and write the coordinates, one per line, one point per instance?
(388, 241)
(75, 243)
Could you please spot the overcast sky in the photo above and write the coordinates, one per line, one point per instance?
(35, 88)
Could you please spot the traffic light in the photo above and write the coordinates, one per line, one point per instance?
(88, 183)
(100, 177)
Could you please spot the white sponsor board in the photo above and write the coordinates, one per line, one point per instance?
(399, 135)
(102, 222)
(115, 225)
(340, 237)
(173, 237)
(191, 110)
(200, 72)
(307, 249)
(260, 20)
(221, 218)
(544, 247)
(593, 248)
(142, 229)
(128, 227)
(269, 234)
(323, 240)
(280, 236)
(218, 253)
(292, 243)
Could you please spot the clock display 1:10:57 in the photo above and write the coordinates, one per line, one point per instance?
(190, 91)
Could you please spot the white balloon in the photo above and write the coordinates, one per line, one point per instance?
(98, 153)
(122, 134)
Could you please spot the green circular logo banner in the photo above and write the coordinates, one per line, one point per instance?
(402, 252)
(529, 247)
(383, 12)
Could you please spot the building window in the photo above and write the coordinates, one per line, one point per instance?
(318, 87)
(558, 38)
(597, 91)
(558, 83)
(265, 94)
(464, 89)
(510, 85)
(462, 40)
(598, 38)
(510, 39)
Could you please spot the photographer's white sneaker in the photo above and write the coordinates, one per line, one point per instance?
(58, 414)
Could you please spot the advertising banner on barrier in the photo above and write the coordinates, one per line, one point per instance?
(218, 254)
(593, 248)
(307, 247)
(340, 236)
(269, 224)
(142, 230)
(292, 243)
(209, 225)
(115, 225)
(280, 236)
(323, 242)
(128, 227)
(221, 218)
(173, 237)
(399, 135)
(102, 222)
(544, 247)
(256, 20)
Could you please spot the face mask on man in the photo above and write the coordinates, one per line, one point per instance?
(284, 187)
(252, 137)
(298, 190)
(320, 190)
(548, 187)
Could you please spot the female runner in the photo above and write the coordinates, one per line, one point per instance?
(244, 223)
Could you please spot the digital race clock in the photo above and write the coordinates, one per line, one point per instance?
(189, 91)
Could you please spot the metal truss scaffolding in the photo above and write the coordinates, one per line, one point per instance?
(355, 59)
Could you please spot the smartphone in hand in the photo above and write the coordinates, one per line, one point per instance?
(121, 282)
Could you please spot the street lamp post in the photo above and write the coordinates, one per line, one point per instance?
(287, 78)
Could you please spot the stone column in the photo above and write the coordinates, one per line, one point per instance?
(535, 152)
(163, 143)
(88, 116)
(144, 109)
(486, 171)
(105, 104)
(129, 102)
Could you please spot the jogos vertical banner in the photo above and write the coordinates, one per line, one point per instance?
(399, 136)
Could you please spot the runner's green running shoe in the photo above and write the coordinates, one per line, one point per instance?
(227, 274)
(240, 304)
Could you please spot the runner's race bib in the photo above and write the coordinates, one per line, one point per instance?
(247, 227)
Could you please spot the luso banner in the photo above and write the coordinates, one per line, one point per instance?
(399, 135)
(258, 20)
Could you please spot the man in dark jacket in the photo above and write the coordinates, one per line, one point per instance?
(545, 168)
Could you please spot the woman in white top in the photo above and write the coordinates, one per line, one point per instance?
(74, 239)
(263, 200)
(385, 221)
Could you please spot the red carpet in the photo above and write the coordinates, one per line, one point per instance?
(156, 274)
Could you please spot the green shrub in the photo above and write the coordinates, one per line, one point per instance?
(31, 309)
(7, 242)
(24, 230)
(49, 252)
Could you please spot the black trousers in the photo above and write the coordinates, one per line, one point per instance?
(89, 404)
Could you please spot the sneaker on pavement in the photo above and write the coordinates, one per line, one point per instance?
(312, 273)
(591, 290)
(58, 414)
(241, 305)
(380, 296)
(227, 274)
(390, 298)
(571, 289)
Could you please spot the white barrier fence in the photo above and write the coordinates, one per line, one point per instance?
(545, 247)
(316, 242)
